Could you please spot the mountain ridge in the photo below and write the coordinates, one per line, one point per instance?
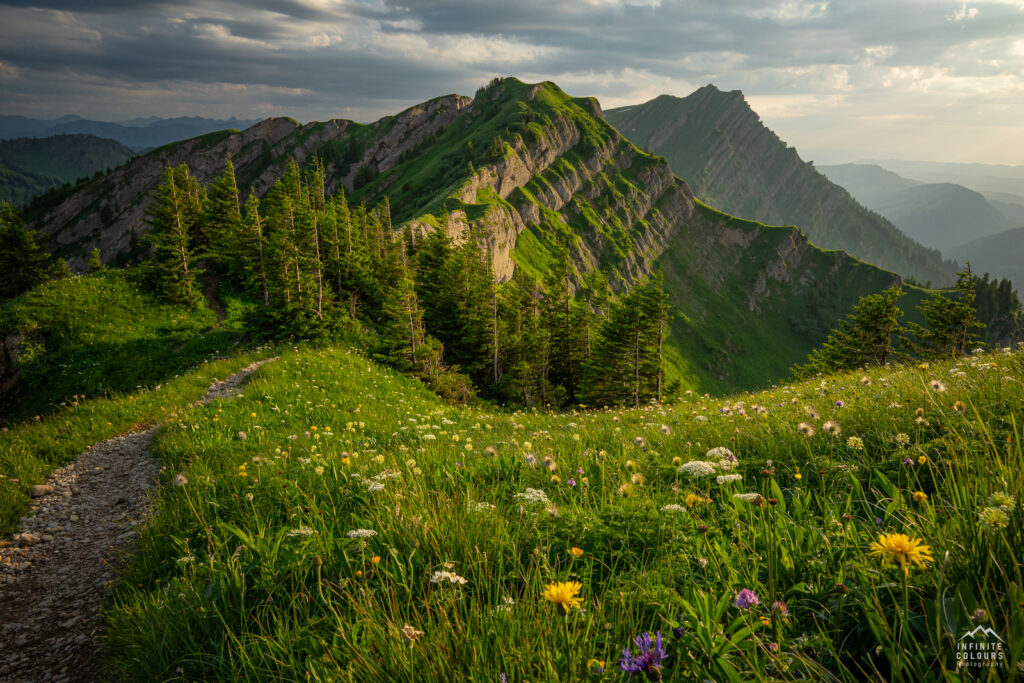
(530, 171)
(714, 140)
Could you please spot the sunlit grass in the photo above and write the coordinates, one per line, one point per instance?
(257, 568)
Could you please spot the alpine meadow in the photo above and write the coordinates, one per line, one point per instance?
(488, 389)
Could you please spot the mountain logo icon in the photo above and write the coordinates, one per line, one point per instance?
(981, 631)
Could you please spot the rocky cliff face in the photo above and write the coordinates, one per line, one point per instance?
(715, 141)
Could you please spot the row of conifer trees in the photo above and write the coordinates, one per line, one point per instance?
(315, 265)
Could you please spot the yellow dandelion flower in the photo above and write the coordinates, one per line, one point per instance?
(375, 559)
(920, 496)
(922, 460)
(564, 594)
(902, 550)
(576, 552)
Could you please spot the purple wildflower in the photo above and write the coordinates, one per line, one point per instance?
(647, 660)
(878, 521)
(746, 599)
(839, 404)
(579, 470)
(908, 461)
(503, 677)
(781, 608)
(572, 482)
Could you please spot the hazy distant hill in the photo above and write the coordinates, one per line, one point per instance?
(939, 215)
(718, 144)
(983, 178)
(31, 166)
(139, 134)
(999, 255)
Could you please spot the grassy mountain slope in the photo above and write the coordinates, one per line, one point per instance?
(940, 215)
(94, 335)
(532, 171)
(31, 166)
(714, 141)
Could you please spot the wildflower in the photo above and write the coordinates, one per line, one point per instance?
(856, 443)
(752, 498)
(780, 607)
(375, 559)
(301, 531)
(572, 482)
(993, 518)
(319, 469)
(902, 440)
(640, 441)
(596, 666)
(637, 478)
(865, 380)
(980, 615)
(746, 599)
(1002, 500)
(532, 496)
(450, 577)
(831, 427)
(806, 429)
(555, 479)
(410, 633)
(720, 453)
(491, 452)
(920, 496)
(677, 461)
(693, 500)
(728, 478)
(698, 468)
(576, 552)
(959, 406)
(648, 658)
(361, 533)
(564, 594)
(672, 507)
(531, 459)
(665, 429)
(922, 460)
(902, 550)
(937, 386)
(549, 464)
(839, 404)
(798, 476)
(180, 479)
(626, 490)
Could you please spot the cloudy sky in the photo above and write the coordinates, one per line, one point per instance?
(838, 79)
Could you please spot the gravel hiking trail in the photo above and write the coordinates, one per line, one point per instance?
(55, 571)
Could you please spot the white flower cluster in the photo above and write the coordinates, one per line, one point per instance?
(697, 468)
(301, 531)
(450, 577)
(672, 507)
(728, 478)
(532, 496)
(361, 533)
(747, 497)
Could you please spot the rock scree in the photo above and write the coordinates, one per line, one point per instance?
(54, 572)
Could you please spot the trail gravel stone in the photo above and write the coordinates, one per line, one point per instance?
(55, 570)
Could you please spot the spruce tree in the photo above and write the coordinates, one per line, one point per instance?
(865, 337)
(951, 323)
(173, 217)
(24, 260)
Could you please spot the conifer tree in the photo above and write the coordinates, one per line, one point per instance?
(950, 323)
(865, 337)
(222, 220)
(24, 260)
(173, 218)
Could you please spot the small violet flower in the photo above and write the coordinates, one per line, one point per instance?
(746, 599)
(648, 658)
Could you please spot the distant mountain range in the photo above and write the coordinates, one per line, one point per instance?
(961, 221)
(139, 134)
(718, 144)
(31, 166)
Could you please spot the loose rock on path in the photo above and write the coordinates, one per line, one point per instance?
(54, 571)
